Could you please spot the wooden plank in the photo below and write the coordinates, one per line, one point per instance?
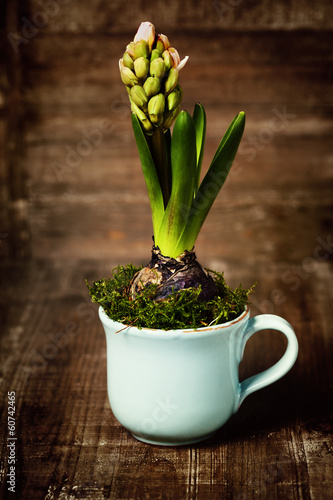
(257, 205)
(269, 72)
(271, 224)
(15, 185)
(277, 446)
(287, 99)
(118, 17)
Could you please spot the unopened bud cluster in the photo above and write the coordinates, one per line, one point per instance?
(149, 68)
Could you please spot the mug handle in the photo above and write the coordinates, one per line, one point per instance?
(279, 369)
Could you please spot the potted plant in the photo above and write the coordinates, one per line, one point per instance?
(175, 331)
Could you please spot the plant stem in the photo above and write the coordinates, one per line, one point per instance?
(159, 154)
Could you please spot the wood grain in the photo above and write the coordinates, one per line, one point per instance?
(70, 445)
(15, 235)
(68, 212)
(288, 123)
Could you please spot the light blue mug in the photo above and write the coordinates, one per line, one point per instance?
(179, 387)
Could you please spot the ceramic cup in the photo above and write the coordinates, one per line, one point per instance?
(179, 387)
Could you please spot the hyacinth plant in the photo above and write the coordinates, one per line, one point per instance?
(171, 165)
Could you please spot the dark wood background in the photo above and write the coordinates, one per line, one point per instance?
(71, 211)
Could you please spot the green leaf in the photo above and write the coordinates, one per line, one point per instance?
(150, 175)
(167, 141)
(212, 183)
(183, 166)
(199, 119)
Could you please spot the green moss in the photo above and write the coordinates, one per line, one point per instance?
(181, 310)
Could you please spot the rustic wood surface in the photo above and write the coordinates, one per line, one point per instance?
(71, 211)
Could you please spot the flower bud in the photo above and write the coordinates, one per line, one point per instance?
(168, 120)
(173, 99)
(142, 117)
(156, 107)
(149, 128)
(141, 68)
(128, 77)
(155, 53)
(170, 117)
(171, 81)
(130, 49)
(128, 61)
(146, 32)
(162, 43)
(167, 58)
(175, 56)
(149, 69)
(141, 49)
(157, 68)
(139, 97)
(152, 86)
(160, 46)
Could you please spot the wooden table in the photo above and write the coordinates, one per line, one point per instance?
(272, 225)
(69, 445)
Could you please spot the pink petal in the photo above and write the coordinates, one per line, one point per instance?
(165, 40)
(146, 32)
(175, 56)
(182, 63)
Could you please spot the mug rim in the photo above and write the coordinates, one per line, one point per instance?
(146, 332)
